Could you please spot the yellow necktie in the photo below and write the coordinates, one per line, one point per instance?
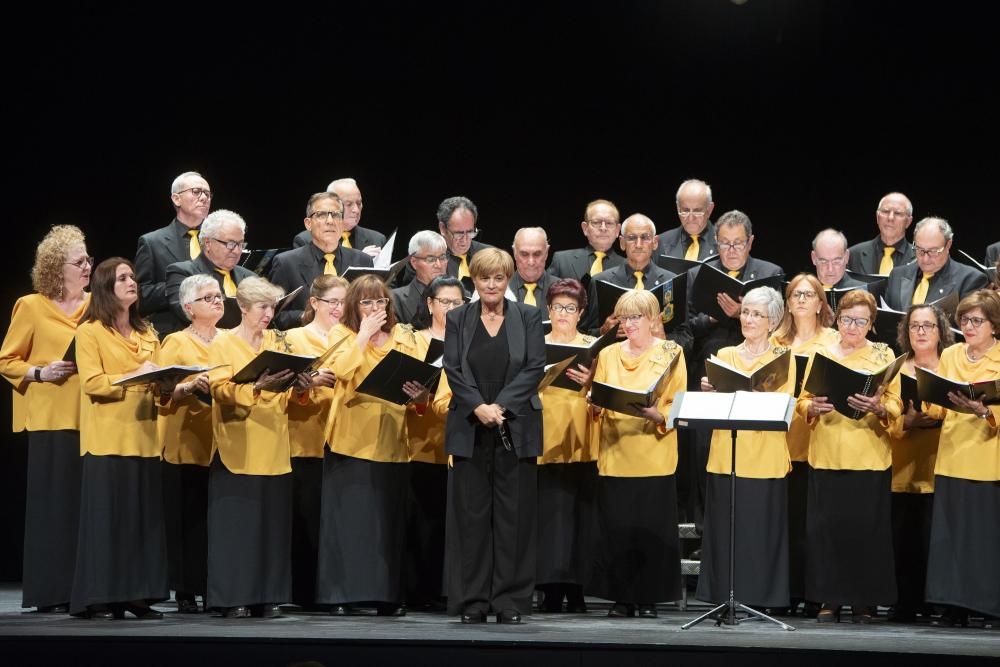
(598, 264)
(920, 294)
(734, 274)
(329, 269)
(195, 247)
(638, 280)
(692, 251)
(347, 240)
(463, 268)
(886, 266)
(827, 286)
(529, 296)
(228, 286)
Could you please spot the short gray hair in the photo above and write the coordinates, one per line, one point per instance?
(694, 181)
(192, 285)
(767, 296)
(830, 231)
(216, 219)
(639, 217)
(341, 181)
(182, 180)
(448, 207)
(735, 218)
(428, 240)
(941, 224)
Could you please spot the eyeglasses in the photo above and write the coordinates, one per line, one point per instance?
(471, 234)
(691, 213)
(752, 315)
(570, 308)
(602, 224)
(922, 327)
(449, 303)
(630, 318)
(976, 322)
(198, 192)
(432, 259)
(333, 302)
(889, 213)
(82, 262)
(860, 322)
(323, 216)
(230, 245)
(739, 245)
(636, 238)
(836, 261)
(803, 294)
(927, 252)
(211, 298)
(368, 303)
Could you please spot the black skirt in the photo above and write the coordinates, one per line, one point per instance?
(963, 568)
(567, 516)
(185, 511)
(849, 557)
(761, 565)
(121, 550)
(798, 491)
(362, 531)
(911, 538)
(249, 538)
(307, 484)
(425, 532)
(638, 556)
(51, 517)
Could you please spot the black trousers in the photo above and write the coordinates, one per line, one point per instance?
(491, 529)
(307, 482)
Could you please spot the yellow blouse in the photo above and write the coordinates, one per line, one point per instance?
(40, 333)
(798, 432)
(759, 454)
(970, 446)
(425, 432)
(569, 435)
(307, 422)
(837, 442)
(250, 428)
(184, 427)
(359, 425)
(633, 446)
(913, 452)
(115, 421)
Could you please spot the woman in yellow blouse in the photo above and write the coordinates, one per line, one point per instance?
(249, 486)
(923, 334)
(762, 464)
(567, 468)
(184, 428)
(121, 558)
(965, 543)
(638, 558)
(848, 533)
(425, 531)
(307, 433)
(804, 329)
(363, 516)
(47, 406)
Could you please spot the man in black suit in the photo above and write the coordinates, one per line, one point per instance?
(353, 236)
(530, 282)
(890, 248)
(600, 227)
(992, 254)
(830, 256)
(934, 275)
(324, 255)
(177, 242)
(428, 259)
(694, 239)
(221, 238)
(457, 219)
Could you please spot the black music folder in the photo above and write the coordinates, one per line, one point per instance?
(710, 281)
(161, 374)
(728, 379)
(259, 260)
(801, 361)
(934, 388)
(70, 354)
(386, 380)
(829, 378)
(680, 265)
(989, 271)
(385, 274)
(609, 293)
(555, 371)
(834, 294)
(671, 295)
(620, 399)
(434, 351)
(273, 361)
(577, 354)
(909, 393)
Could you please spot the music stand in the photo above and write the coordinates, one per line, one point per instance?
(741, 411)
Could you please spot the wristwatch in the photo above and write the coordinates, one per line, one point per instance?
(38, 373)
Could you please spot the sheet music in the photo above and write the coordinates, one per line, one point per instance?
(704, 405)
(384, 258)
(758, 405)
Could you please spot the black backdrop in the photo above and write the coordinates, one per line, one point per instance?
(802, 114)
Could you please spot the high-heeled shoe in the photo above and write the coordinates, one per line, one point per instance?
(828, 614)
(140, 611)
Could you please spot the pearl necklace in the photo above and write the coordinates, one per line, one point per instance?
(753, 354)
(194, 332)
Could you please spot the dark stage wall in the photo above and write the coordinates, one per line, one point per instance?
(802, 114)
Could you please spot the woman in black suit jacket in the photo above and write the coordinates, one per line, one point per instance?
(494, 358)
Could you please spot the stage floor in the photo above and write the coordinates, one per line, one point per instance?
(428, 638)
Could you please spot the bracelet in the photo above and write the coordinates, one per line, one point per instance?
(38, 373)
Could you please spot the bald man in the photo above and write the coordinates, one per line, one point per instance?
(531, 281)
(890, 248)
(695, 237)
(830, 256)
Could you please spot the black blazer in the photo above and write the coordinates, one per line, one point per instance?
(526, 342)
(867, 255)
(621, 275)
(847, 281)
(176, 273)
(576, 263)
(155, 252)
(953, 277)
(360, 237)
(992, 254)
(544, 283)
(411, 305)
(674, 242)
(299, 267)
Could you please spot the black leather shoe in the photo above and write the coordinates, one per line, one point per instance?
(140, 611)
(236, 612)
(96, 612)
(54, 609)
(473, 617)
(341, 610)
(576, 607)
(187, 606)
(509, 616)
(952, 618)
(647, 611)
(621, 610)
(390, 609)
(266, 610)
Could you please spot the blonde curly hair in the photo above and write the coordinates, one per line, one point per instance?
(50, 258)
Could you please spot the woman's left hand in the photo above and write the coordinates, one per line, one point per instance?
(872, 404)
(967, 403)
(417, 392)
(581, 374)
(324, 377)
(650, 413)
